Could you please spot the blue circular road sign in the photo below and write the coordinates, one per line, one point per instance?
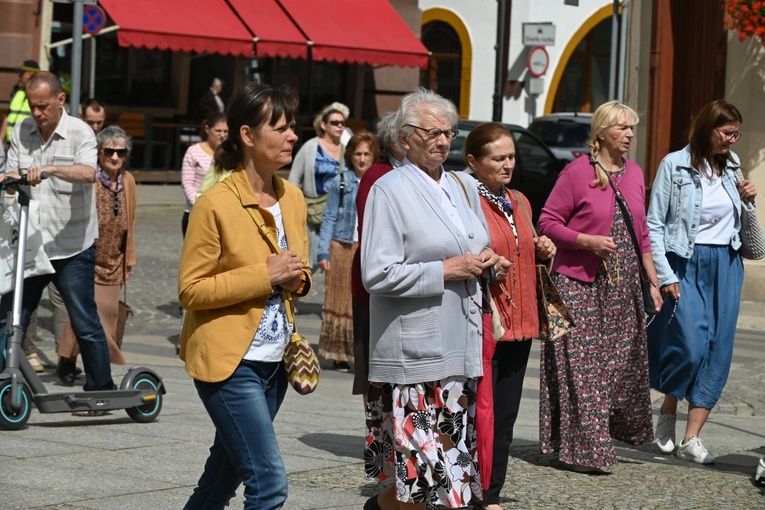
(93, 19)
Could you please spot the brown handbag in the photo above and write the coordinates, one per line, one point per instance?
(124, 310)
(554, 318)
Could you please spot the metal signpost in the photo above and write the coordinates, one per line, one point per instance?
(77, 23)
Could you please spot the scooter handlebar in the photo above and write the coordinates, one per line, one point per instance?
(20, 181)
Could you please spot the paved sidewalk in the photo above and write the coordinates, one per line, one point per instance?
(111, 463)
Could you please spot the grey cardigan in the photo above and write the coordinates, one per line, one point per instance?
(301, 172)
(421, 327)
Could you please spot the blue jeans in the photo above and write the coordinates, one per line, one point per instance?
(75, 279)
(243, 408)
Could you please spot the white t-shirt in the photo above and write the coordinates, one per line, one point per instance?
(717, 214)
(274, 331)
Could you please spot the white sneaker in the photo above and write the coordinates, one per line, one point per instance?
(664, 436)
(759, 477)
(694, 451)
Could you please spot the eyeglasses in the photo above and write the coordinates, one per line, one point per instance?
(116, 208)
(121, 153)
(337, 123)
(729, 135)
(433, 133)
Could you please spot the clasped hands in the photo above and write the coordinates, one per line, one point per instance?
(469, 266)
(285, 269)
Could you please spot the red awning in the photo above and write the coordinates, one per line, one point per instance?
(275, 33)
(201, 26)
(362, 31)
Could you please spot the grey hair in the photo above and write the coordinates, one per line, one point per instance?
(422, 101)
(114, 133)
(387, 132)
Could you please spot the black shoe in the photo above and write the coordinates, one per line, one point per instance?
(372, 504)
(342, 366)
(67, 372)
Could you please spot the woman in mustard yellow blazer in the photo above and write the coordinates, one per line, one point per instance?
(230, 284)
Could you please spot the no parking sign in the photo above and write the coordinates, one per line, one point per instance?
(93, 19)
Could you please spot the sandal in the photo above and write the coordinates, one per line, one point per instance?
(35, 362)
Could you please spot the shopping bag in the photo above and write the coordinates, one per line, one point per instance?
(36, 262)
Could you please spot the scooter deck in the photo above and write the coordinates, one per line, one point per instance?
(65, 402)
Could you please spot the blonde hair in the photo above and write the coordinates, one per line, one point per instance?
(328, 110)
(606, 116)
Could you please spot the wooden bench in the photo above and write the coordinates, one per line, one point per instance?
(140, 126)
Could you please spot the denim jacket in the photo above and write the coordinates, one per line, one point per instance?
(675, 210)
(339, 221)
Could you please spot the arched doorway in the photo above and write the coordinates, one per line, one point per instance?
(580, 80)
(446, 37)
(443, 73)
(584, 85)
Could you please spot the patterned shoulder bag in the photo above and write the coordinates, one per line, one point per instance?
(300, 361)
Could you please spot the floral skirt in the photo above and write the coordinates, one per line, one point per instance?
(594, 381)
(424, 435)
(336, 338)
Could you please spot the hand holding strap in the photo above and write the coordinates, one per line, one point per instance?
(273, 244)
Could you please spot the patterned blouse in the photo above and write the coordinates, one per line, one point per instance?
(112, 230)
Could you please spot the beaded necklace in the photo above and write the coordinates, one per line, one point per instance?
(506, 207)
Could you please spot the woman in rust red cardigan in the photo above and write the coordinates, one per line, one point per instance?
(490, 153)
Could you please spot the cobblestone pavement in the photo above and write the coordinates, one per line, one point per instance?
(61, 460)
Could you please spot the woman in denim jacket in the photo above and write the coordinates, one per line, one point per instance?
(338, 241)
(694, 223)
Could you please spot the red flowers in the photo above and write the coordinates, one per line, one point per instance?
(747, 17)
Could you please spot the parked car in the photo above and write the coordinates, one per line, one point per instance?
(536, 167)
(564, 133)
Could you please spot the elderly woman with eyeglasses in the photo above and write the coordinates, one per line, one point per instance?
(115, 246)
(694, 222)
(316, 164)
(425, 246)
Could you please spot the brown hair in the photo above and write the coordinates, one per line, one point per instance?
(252, 105)
(53, 81)
(214, 118)
(355, 141)
(713, 115)
(481, 136)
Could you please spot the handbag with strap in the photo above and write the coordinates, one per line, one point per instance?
(498, 329)
(645, 282)
(555, 320)
(752, 236)
(124, 311)
(300, 360)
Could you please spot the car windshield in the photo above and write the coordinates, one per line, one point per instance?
(561, 134)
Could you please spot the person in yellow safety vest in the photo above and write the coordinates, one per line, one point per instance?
(19, 108)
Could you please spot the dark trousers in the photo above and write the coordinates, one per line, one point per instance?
(508, 370)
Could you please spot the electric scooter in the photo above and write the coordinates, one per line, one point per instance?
(140, 394)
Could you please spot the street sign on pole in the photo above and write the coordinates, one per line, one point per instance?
(539, 60)
(538, 34)
(93, 19)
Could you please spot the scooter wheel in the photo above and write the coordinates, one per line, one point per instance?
(9, 419)
(149, 411)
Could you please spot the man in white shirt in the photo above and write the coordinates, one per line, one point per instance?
(64, 147)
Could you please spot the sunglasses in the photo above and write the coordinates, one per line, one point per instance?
(121, 153)
(337, 123)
